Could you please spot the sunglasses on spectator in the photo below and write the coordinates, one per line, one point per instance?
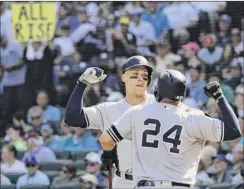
(90, 163)
(35, 117)
(30, 165)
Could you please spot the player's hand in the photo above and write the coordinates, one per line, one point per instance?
(92, 75)
(109, 157)
(213, 90)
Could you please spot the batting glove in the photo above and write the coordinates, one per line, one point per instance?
(92, 75)
(213, 90)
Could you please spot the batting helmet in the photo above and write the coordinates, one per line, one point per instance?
(137, 61)
(171, 84)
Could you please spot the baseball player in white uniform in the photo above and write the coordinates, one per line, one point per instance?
(168, 139)
(136, 77)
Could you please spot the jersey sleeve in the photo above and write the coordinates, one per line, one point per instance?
(94, 116)
(122, 128)
(207, 128)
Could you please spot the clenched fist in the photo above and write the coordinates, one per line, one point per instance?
(92, 75)
(213, 90)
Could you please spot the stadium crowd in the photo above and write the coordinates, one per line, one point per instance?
(203, 40)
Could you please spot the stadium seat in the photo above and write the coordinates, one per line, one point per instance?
(69, 186)
(219, 186)
(80, 165)
(81, 154)
(51, 174)
(29, 186)
(20, 155)
(53, 166)
(13, 177)
(62, 154)
(3, 186)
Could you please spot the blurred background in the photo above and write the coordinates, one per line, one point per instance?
(203, 40)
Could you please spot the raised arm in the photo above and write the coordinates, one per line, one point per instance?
(231, 126)
(75, 115)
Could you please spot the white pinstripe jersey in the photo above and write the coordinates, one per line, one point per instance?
(167, 140)
(103, 115)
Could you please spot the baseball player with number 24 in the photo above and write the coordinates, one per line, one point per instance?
(168, 139)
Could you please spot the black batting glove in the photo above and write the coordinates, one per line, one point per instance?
(109, 157)
(213, 90)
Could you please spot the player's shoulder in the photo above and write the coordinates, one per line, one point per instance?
(194, 112)
(110, 105)
(150, 99)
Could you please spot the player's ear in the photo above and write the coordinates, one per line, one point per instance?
(123, 77)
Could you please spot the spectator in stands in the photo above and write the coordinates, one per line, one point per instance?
(237, 157)
(66, 130)
(81, 140)
(197, 84)
(223, 37)
(182, 67)
(15, 134)
(134, 7)
(144, 33)
(234, 76)
(190, 53)
(237, 42)
(50, 113)
(88, 181)
(109, 31)
(35, 115)
(67, 175)
(93, 165)
(219, 170)
(34, 176)
(6, 21)
(35, 148)
(211, 54)
(13, 79)
(202, 178)
(50, 139)
(65, 17)
(39, 59)
(124, 42)
(4, 180)
(165, 59)
(239, 101)
(227, 90)
(83, 29)
(65, 46)
(157, 18)
(182, 18)
(10, 163)
(82, 36)
(19, 120)
(207, 156)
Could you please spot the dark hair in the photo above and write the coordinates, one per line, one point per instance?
(11, 148)
(71, 168)
(43, 91)
(20, 115)
(198, 68)
(16, 128)
(214, 74)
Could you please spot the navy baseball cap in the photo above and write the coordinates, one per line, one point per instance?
(30, 160)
